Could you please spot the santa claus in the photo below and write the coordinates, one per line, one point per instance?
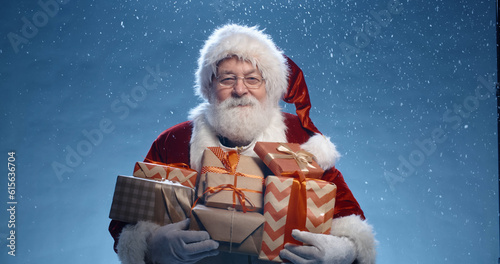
(241, 78)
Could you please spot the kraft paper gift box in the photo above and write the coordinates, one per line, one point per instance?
(286, 208)
(159, 171)
(288, 157)
(236, 232)
(231, 191)
(215, 160)
(137, 199)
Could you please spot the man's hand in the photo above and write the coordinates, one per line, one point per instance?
(319, 248)
(173, 243)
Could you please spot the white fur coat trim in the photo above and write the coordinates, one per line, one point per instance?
(204, 136)
(323, 149)
(133, 243)
(361, 233)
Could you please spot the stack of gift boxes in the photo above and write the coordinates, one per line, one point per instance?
(157, 192)
(250, 205)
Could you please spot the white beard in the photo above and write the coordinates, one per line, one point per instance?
(272, 127)
(241, 125)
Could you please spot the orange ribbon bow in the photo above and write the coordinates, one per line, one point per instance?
(230, 161)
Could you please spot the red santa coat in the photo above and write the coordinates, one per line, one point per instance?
(173, 146)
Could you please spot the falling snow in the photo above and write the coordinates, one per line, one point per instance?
(395, 87)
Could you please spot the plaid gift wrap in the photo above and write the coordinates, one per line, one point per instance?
(287, 158)
(176, 172)
(294, 203)
(137, 199)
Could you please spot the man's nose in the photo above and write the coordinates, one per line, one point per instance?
(240, 88)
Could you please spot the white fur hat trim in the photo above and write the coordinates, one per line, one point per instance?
(247, 43)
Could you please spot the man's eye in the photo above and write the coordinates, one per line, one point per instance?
(252, 80)
(227, 81)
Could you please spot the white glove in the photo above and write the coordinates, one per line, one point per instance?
(173, 243)
(319, 248)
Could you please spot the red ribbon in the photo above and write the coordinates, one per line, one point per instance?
(182, 166)
(175, 165)
(229, 160)
(297, 206)
(239, 193)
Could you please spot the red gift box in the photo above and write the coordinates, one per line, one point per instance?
(287, 158)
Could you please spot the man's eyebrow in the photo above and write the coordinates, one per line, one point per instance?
(244, 73)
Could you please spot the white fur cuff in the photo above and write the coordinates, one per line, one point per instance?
(133, 243)
(361, 233)
(323, 149)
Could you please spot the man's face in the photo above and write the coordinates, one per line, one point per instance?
(239, 69)
(241, 112)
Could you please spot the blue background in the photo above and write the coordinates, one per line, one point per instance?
(379, 87)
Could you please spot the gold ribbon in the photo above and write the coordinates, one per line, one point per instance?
(159, 215)
(172, 201)
(303, 158)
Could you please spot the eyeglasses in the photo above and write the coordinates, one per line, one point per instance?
(230, 80)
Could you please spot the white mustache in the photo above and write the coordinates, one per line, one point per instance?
(235, 102)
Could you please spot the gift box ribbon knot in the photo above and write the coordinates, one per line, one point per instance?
(230, 161)
(238, 192)
(303, 158)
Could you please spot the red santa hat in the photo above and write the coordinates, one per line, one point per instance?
(284, 79)
(298, 94)
(247, 43)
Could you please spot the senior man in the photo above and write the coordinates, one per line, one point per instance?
(242, 77)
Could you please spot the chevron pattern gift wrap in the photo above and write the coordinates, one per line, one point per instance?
(176, 172)
(320, 202)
